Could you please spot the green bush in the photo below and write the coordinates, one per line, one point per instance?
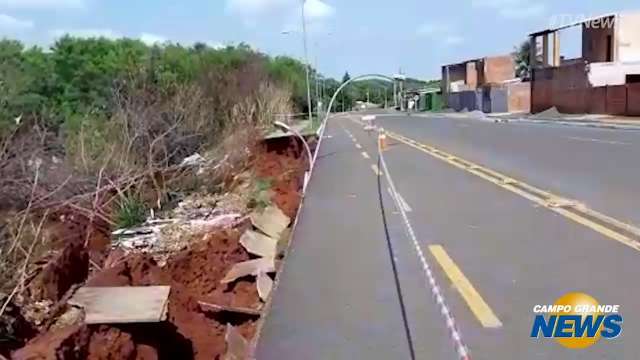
(131, 212)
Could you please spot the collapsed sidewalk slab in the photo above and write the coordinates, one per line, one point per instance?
(121, 305)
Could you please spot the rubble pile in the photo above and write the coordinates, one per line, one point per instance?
(211, 260)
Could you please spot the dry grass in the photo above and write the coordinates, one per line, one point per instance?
(134, 154)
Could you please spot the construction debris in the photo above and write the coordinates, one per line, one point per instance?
(237, 345)
(259, 244)
(251, 267)
(155, 235)
(121, 305)
(232, 309)
(265, 284)
(191, 248)
(271, 221)
(194, 160)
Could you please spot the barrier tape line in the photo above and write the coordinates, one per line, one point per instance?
(455, 334)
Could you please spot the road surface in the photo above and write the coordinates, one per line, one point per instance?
(495, 252)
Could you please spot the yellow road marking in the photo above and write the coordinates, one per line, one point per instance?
(365, 155)
(476, 303)
(535, 195)
(375, 169)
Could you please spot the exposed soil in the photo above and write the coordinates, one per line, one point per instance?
(285, 164)
(194, 275)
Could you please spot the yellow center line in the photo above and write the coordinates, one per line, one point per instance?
(476, 303)
(375, 169)
(509, 183)
(365, 155)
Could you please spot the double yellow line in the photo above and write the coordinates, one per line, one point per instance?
(624, 233)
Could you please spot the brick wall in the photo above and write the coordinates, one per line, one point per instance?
(519, 97)
(498, 69)
(616, 100)
(565, 89)
(633, 99)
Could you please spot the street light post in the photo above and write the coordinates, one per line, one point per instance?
(306, 60)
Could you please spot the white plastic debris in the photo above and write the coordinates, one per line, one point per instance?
(251, 267)
(193, 160)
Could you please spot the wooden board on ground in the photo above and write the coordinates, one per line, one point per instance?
(121, 305)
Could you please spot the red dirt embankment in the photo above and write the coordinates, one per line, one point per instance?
(193, 273)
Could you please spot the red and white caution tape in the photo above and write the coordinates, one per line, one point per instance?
(454, 332)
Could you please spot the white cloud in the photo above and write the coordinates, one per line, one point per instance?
(86, 33)
(512, 9)
(453, 40)
(523, 11)
(317, 9)
(433, 29)
(215, 45)
(251, 12)
(152, 39)
(42, 4)
(255, 7)
(440, 32)
(10, 23)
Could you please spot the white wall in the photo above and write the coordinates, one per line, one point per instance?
(602, 74)
(629, 37)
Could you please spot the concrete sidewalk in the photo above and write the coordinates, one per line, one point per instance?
(592, 120)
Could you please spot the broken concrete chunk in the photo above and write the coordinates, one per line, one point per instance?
(258, 244)
(237, 345)
(251, 267)
(271, 221)
(121, 305)
(265, 284)
(224, 221)
(227, 308)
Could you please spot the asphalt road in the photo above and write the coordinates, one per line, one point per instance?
(337, 299)
(596, 166)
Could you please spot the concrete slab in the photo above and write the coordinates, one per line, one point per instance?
(121, 305)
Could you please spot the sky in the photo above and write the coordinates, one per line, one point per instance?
(359, 36)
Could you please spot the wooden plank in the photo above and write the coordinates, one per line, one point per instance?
(121, 305)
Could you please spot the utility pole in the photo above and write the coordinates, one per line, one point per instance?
(395, 93)
(385, 98)
(306, 60)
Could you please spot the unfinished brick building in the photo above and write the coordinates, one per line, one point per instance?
(605, 79)
(487, 84)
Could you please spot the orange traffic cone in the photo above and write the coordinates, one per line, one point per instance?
(382, 140)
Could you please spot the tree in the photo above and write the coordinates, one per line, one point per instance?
(346, 77)
(521, 57)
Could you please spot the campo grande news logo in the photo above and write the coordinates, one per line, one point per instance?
(577, 321)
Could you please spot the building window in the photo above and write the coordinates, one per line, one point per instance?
(633, 79)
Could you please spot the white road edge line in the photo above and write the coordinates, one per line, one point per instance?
(600, 141)
(404, 204)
